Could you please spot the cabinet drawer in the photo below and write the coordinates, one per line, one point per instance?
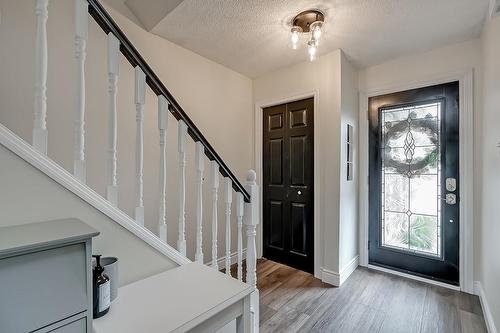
(41, 288)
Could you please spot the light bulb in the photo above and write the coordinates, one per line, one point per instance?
(316, 30)
(311, 49)
(295, 37)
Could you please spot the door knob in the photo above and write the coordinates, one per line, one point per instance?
(299, 192)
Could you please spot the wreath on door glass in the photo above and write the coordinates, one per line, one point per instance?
(408, 127)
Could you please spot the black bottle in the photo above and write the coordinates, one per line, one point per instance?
(101, 289)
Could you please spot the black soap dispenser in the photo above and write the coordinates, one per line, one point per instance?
(101, 289)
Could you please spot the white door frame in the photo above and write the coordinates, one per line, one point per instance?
(466, 144)
(259, 108)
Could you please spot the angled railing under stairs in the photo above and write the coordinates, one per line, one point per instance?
(247, 211)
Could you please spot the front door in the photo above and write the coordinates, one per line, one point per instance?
(288, 180)
(414, 185)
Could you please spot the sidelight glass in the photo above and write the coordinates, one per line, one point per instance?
(411, 178)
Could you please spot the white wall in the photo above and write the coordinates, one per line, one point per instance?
(324, 77)
(217, 99)
(348, 233)
(27, 195)
(488, 246)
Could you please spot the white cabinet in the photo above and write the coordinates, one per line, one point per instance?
(45, 277)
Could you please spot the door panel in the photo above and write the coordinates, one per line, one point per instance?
(413, 150)
(288, 180)
(276, 225)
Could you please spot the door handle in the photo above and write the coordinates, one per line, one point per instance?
(450, 198)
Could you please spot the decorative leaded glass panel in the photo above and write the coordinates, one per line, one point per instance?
(411, 178)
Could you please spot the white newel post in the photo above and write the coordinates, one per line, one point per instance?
(215, 189)
(162, 127)
(200, 167)
(81, 36)
(113, 67)
(239, 216)
(140, 99)
(251, 219)
(228, 199)
(182, 134)
(40, 103)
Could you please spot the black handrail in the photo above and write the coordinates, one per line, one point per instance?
(108, 25)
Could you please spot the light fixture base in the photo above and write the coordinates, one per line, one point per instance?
(306, 18)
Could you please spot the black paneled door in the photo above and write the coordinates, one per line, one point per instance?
(288, 164)
(414, 184)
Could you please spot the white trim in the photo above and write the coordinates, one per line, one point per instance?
(414, 277)
(222, 260)
(46, 165)
(259, 106)
(349, 269)
(466, 144)
(330, 277)
(337, 279)
(488, 316)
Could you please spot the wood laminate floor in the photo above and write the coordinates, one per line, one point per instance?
(369, 301)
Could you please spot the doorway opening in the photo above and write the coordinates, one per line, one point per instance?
(288, 183)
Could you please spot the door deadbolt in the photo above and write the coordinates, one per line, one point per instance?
(451, 184)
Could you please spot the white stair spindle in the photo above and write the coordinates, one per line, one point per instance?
(40, 133)
(182, 134)
(215, 189)
(140, 99)
(228, 199)
(251, 219)
(239, 216)
(200, 167)
(113, 68)
(162, 127)
(81, 36)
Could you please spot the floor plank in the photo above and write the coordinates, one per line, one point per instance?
(369, 301)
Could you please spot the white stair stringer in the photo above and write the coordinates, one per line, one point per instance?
(46, 165)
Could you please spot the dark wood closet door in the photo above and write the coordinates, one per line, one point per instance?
(288, 164)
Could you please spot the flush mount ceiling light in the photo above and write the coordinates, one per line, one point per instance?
(310, 23)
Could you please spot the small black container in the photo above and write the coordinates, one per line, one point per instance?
(101, 289)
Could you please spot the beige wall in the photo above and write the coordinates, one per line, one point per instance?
(217, 99)
(27, 195)
(487, 246)
(324, 77)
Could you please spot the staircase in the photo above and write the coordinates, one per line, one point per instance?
(246, 195)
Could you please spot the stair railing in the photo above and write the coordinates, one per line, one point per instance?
(247, 210)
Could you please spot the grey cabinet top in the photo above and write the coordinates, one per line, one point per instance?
(40, 235)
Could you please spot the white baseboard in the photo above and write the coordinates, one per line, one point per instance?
(349, 269)
(221, 262)
(330, 277)
(337, 279)
(488, 317)
(50, 168)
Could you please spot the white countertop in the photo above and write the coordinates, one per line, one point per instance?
(181, 297)
(29, 237)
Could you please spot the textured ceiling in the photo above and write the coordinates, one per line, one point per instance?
(252, 36)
